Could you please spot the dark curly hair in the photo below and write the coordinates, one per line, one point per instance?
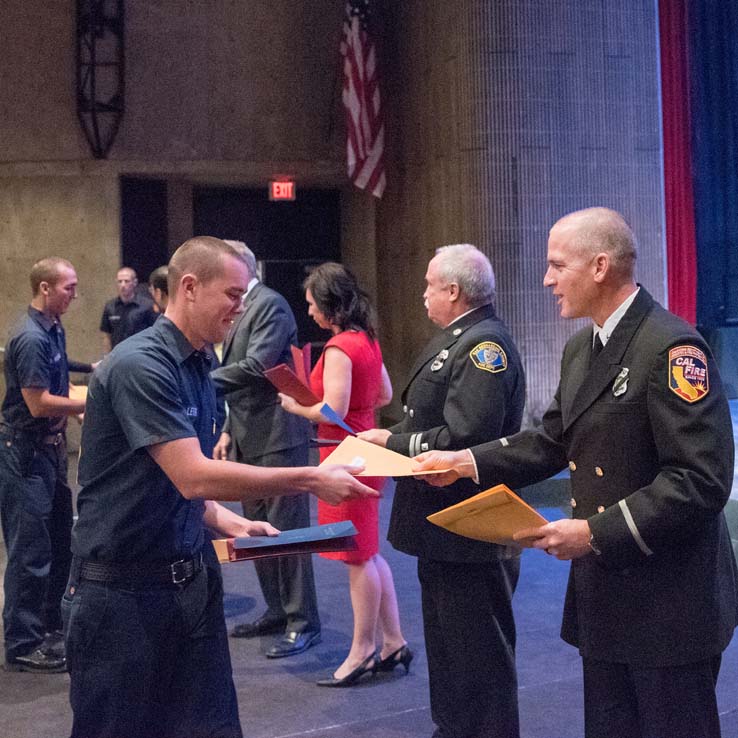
(338, 296)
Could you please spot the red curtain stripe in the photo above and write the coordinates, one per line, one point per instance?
(681, 250)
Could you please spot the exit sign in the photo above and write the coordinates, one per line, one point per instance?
(284, 190)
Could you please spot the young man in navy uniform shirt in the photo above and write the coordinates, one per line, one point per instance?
(467, 386)
(641, 420)
(35, 500)
(145, 631)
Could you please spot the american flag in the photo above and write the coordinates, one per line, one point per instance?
(364, 124)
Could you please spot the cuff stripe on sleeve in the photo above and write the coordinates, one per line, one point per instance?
(634, 529)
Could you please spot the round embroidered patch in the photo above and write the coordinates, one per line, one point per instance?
(688, 377)
(489, 357)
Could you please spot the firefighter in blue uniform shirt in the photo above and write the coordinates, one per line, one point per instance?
(467, 386)
(641, 421)
(146, 642)
(35, 500)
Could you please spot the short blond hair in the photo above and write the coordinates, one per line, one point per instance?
(47, 270)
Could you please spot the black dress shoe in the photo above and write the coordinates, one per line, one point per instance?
(368, 666)
(39, 662)
(293, 642)
(402, 656)
(262, 626)
(53, 644)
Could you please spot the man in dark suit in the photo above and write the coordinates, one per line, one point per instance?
(644, 428)
(467, 386)
(258, 431)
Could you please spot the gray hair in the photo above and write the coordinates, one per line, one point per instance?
(247, 253)
(469, 268)
(602, 229)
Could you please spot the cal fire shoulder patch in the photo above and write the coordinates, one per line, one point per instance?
(688, 377)
(489, 356)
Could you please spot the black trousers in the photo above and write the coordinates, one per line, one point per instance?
(36, 514)
(150, 661)
(470, 643)
(622, 701)
(287, 582)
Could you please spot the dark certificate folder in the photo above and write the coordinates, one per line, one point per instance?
(330, 537)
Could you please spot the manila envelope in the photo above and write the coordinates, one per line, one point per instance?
(493, 516)
(378, 461)
(78, 392)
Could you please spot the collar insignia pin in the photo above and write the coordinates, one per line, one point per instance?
(620, 385)
(441, 356)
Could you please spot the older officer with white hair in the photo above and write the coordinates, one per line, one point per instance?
(467, 386)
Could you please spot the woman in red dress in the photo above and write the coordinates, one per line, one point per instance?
(351, 377)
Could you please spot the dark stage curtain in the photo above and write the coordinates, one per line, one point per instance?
(713, 52)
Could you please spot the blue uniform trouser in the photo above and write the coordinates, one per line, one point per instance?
(149, 661)
(36, 513)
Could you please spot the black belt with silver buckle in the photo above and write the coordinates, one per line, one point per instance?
(178, 572)
(52, 439)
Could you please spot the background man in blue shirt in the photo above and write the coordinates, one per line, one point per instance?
(35, 500)
(126, 314)
(145, 594)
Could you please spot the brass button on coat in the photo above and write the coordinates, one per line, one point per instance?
(600, 508)
(573, 502)
(572, 466)
(599, 472)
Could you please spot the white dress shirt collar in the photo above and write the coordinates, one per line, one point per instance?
(615, 317)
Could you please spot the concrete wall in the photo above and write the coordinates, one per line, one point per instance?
(75, 217)
(504, 117)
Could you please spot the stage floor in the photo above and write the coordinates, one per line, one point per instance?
(278, 699)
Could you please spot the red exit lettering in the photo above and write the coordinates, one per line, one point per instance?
(284, 190)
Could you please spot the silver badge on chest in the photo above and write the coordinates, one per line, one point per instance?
(620, 385)
(438, 361)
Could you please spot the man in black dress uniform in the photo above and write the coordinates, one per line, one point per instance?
(466, 387)
(644, 428)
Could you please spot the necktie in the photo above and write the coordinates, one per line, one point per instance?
(596, 348)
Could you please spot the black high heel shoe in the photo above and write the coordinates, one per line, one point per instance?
(368, 666)
(402, 655)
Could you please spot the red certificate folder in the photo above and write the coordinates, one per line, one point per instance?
(301, 360)
(286, 381)
(330, 537)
